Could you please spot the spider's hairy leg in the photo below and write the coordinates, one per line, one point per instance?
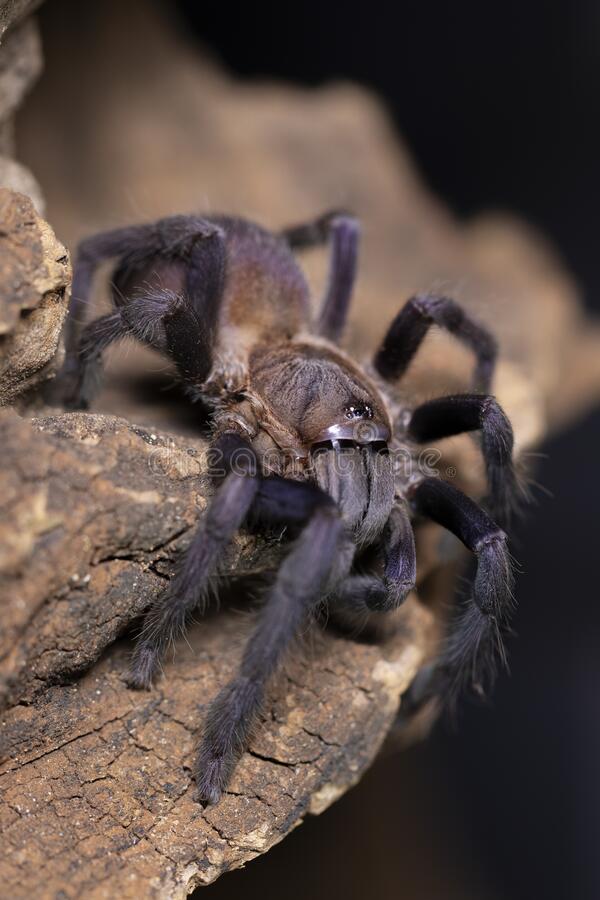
(475, 641)
(382, 593)
(458, 413)
(345, 233)
(400, 570)
(356, 597)
(95, 339)
(196, 243)
(313, 233)
(205, 263)
(162, 320)
(343, 230)
(301, 581)
(381, 587)
(182, 324)
(91, 252)
(408, 329)
(167, 617)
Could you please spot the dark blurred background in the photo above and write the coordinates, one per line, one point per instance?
(499, 105)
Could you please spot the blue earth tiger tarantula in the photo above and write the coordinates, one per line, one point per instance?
(302, 438)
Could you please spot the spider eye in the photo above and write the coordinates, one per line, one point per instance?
(359, 411)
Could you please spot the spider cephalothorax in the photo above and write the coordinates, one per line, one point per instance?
(302, 437)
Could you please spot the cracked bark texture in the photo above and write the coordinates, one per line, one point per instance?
(95, 509)
(95, 779)
(34, 275)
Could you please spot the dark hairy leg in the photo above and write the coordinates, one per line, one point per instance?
(399, 568)
(475, 641)
(85, 373)
(182, 326)
(232, 466)
(291, 601)
(320, 555)
(160, 319)
(91, 252)
(358, 595)
(458, 413)
(380, 585)
(412, 323)
(167, 617)
(345, 233)
(343, 230)
(400, 571)
(170, 237)
(177, 330)
(313, 233)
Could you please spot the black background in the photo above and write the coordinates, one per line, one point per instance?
(499, 104)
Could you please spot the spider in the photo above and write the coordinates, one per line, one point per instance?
(302, 440)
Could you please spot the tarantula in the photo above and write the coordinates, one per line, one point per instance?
(302, 437)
